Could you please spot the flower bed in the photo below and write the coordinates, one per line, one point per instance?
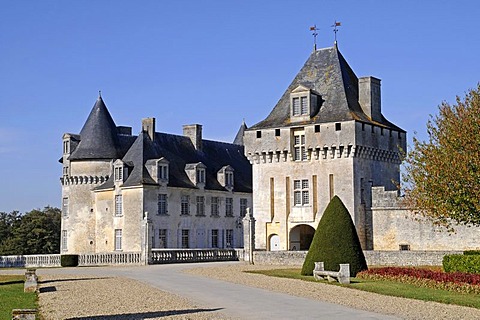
(451, 281)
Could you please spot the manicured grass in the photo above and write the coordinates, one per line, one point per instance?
(389, 288)
(13, 297)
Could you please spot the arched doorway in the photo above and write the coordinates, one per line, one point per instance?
(301, 236)
(274, 242)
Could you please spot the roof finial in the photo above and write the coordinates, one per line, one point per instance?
(335, 29)
(314, 34)
(99, 94)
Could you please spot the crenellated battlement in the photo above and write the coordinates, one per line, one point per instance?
(327, 152)
(74, 180)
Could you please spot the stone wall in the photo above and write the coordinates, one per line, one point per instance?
(374, 258)
(394, 225)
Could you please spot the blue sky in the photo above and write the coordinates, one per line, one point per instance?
(209, 62)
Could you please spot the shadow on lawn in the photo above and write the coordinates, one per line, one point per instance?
(145, 315)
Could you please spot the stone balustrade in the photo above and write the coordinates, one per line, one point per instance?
(27, 261)
(161, 256)
(110, 258)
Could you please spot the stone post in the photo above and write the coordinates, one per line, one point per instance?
(30, 281)
(146, 241)
(248, 236)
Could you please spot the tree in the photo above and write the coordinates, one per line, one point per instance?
(442, 174)
(335, 242)
(36, 232)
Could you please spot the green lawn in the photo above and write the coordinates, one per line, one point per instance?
(389, 288)
(13, 297)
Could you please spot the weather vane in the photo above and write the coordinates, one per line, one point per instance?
(314, 30)
(335, 29)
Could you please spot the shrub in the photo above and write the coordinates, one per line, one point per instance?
(461, 263)
(69, 260)
(471, 252)
(335, 242)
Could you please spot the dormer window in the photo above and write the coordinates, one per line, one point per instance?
(225, 177)
(119, 173)
(66, 146)
(158, 170)
(197, 173)
(200, 175)
(163, 171)
(304, 103)
(229, 179)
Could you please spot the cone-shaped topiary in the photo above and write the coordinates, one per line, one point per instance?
(335, 241)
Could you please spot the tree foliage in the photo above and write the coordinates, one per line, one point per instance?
(36, 232)
(335, 242)
(442, 174)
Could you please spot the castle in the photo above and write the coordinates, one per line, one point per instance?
(122, 192)
(326, 136)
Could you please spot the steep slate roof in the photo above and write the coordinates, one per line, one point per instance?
(98, 137)
(328, 73)
(179, 151)
(241, 131)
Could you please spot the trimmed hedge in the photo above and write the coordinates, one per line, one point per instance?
(461, 263)
(471, 252)
(335, 242)
(69, 260)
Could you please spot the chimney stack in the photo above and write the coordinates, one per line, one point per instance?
(369, 97)
(148, 126)
(194, 132)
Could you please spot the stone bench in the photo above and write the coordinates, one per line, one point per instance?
(342, 276)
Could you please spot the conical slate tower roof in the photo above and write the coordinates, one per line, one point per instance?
(99, 136)
(327, 73)
(239, 137)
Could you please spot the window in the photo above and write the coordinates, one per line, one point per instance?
(243, 207)
(277, 132)
(65, 171)
(228, 178)
(118, 173)
(363, 126)
(300, 153)
(185, 205)
(214, 206)
(338, 126)
(229, 238)
(65, 206)
(162, 204)
(185, 238)
(404, 247)
(300, 106)
(229, 207)
(259, 134)
(200, 206)
(296, 106)
(200, 175)
(301, 195)
(64, 240)
(118, 205)
(317, 128)
(163, 172)
(66, 147)
(304, 105)
(215, 238)
(162, 238)
(118, 239)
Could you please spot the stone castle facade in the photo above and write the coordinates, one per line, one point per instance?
(122, 192)
(326, 136)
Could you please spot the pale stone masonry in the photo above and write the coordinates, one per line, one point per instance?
(327, 136)
(129, 193)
